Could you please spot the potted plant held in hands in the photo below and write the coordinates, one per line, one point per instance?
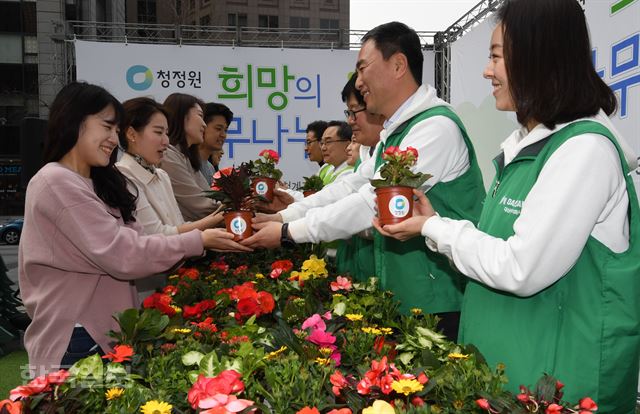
(265, 175)
(232, 187)
(394, 189)
(311, 185)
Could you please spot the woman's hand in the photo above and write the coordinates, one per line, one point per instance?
(221, 241)
(213, 220)
(412, 227)
(281, 199)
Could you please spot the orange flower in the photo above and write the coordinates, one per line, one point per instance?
(307, 410)
(122, 353)
(340, 411)
(10, 407)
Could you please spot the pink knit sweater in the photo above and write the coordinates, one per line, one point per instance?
(77, 261)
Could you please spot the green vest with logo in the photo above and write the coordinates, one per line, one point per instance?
(585, 328)
(325, 173)
(418, 277)
(355, 255)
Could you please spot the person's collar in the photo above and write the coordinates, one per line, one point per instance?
(133, 162)
(398, 113)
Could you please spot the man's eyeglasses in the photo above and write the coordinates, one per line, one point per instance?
(349, 114)
(331, 141)
(308, 142)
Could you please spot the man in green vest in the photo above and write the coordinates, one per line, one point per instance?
(312, 147)
(389, 70)
(333, 144)
(554, 262)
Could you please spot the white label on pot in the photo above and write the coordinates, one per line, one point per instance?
(261, 188)
(399, 206)
(238, 225)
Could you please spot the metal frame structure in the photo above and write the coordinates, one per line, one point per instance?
(211, 36)
(443, 40)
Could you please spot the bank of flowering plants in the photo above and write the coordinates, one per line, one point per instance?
(280, 334)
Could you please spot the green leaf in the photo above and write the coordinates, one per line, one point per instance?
(340, 308)
(90, 366)
(192, 358)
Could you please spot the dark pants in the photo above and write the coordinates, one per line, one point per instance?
(81, 345)
(449, 324)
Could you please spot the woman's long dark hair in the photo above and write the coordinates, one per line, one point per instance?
(548, 60)
(178, 106)
(73, 104)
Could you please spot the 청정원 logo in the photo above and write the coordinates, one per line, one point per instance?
(238, 225)
(399, 206)
(261, 188)
(138, 70)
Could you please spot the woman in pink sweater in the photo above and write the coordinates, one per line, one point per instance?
(81, 247)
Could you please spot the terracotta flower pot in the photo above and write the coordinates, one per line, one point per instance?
(307, 193)
(239, 223)
(263, 186)
(395, 204)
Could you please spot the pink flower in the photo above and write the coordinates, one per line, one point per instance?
(483, 403)
(314, 322)
(224, 404)
(341, 283)
(36, 386)
(340, 411)
(338, 381)
(58, 377)
(588, 404)
(554, 409)
(275, 273)
(321, 338)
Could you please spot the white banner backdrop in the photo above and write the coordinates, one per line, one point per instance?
(615, 37)
(273, 93)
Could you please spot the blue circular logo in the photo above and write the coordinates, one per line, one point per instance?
(238, 225)
(399, 206)
(261, 188)
(134, 73)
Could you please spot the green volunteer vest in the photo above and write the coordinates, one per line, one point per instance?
(332, 176)
(325, 173)
(355, 255)
(418, 277)
(585, 328)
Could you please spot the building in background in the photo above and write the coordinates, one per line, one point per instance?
(36, 53)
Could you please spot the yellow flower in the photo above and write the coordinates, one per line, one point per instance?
(416, 311)
(182, 330)
(156, 407)
(113, 393)
(353, 317)
(173, 277)
(371, 330)
(379, 407)
(458, 404)
(259, 276)
(406, 386)
(323, 361)
(386, 331)
(299, 301)
(456, 355)
(274, 354)
(338, 295)
(178, 309)
(326, 351)
(315, 267)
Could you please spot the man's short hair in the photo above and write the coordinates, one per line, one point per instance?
(350, 89)
(344, 130)
(317, 127)
(212, 109)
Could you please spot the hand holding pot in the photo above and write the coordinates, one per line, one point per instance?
(221, 241)
(411, 227)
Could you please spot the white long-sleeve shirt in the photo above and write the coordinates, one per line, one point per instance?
(442, 153)
(580, 192)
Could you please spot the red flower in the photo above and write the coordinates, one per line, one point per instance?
(270, 155)
(191, 273)
(240, 269)
(58, 377)
(206, 325)
(285, 265)
(588, 404)
(244, 291)
(161, 302)
(247, 307)
(559, 385)
(122, 353)
(221, 265)
(422, 378)
(340, 411)
(170, 290)
(341, 283)
(417, 401)
(307, 410)
(554, 409)
(483, 404)
(36, 386)
(10, 407)
(338, 381)
(227, 382)
(266, 302)
(275, 273)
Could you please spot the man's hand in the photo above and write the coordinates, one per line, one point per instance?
(412, 227)
(281, 200)
(265, 218)
(221, 241)
(268, 236)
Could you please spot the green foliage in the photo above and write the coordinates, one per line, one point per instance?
(392, 175)
(313, 183)
(233, 188)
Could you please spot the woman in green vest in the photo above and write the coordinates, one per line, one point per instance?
(555, 260)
